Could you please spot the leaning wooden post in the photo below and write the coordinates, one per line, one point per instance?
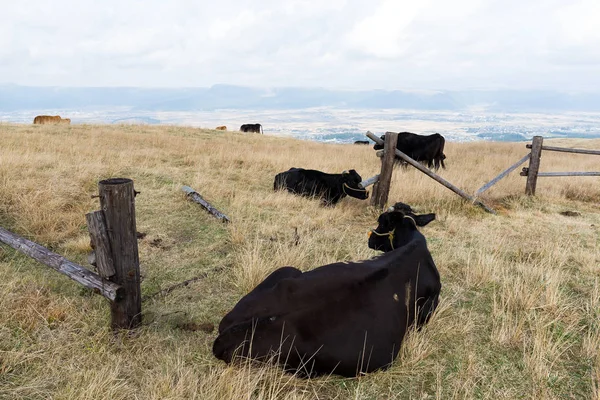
(117, 199)
(381, 189)
(534, 165)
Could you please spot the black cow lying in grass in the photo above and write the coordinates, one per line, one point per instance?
(429, 150)
(330, 187)
(342, 318)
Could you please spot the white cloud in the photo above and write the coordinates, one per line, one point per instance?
(340, 43)
(384, 33)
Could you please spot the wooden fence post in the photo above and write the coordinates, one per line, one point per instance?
(381, 189)
(117, 200)
(534, 165)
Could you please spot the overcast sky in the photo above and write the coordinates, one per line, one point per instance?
(351, 44)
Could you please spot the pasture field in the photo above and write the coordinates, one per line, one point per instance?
(519, 316)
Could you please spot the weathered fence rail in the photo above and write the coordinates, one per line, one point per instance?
(549, 174)
(568, 150)
(195, 196)
(368, 182)
(502, 175)
(79, 274)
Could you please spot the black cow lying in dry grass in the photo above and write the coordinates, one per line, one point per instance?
(428, 150)
(342, 318)
(331, 188)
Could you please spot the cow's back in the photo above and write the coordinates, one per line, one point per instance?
(337, 330)
(47, 119)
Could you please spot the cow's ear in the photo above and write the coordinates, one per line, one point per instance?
(390, 218)
(423, 219)
(399, 206)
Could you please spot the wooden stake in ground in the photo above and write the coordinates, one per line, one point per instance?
(117, 199)
(381, 189)
(534, 165)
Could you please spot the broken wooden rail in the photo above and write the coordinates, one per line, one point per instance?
(368, 182)
(434, 176)
(195, 196)
(79, 274)
(502, 175)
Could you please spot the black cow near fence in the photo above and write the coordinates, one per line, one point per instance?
(331, 188)
(427, 149)
(341, 318)
(252, 128)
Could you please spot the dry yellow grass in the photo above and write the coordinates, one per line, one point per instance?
(520, 309)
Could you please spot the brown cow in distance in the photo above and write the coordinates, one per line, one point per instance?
(51, 119)
(221, 128)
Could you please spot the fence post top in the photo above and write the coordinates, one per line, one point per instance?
(115, 181)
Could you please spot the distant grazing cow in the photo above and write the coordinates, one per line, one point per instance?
(330, 187)
(361, 142)
(50, 119)
(221, 128)
(256, 128)
(342, 318)
(428, 150)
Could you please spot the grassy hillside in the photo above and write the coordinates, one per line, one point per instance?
(520, 309)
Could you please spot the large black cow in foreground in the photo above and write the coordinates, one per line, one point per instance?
(428, 150)
(330, 187)
(342, 318)
(253, 128)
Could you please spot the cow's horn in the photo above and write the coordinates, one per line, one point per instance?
(391, 208)
(344, 172)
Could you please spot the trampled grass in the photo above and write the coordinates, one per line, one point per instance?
(520, 309)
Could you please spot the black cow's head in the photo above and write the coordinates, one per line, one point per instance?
(350, 185)
(396, 227)
(378, 146)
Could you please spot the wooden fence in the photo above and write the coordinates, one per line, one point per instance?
(532, 172)
(382, 181)
(113, 236)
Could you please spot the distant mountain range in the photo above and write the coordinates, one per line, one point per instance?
(15, 97)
